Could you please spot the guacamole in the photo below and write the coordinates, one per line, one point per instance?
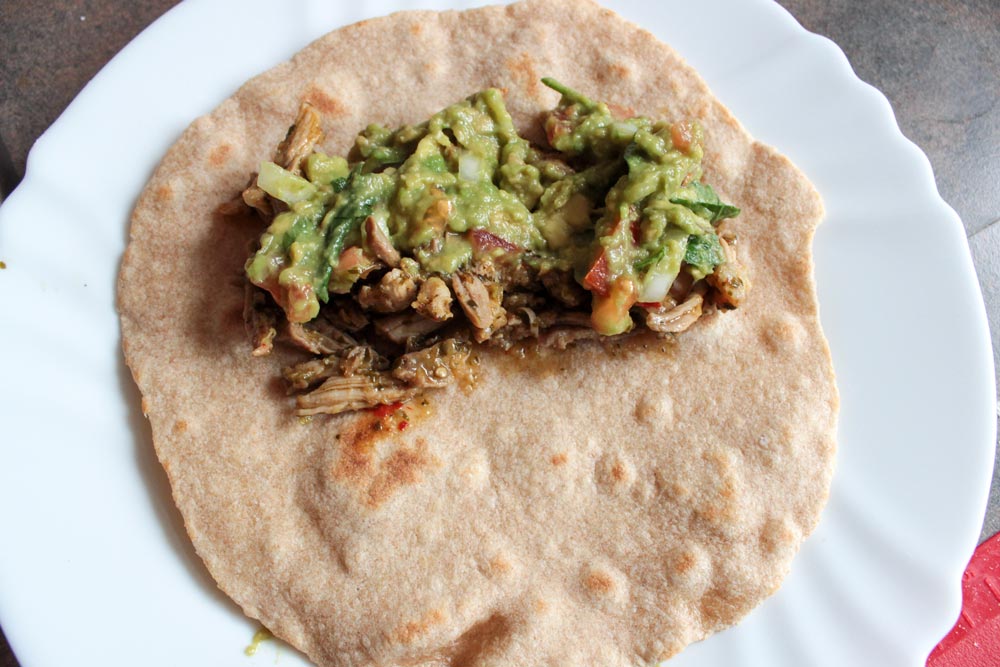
(608, 224)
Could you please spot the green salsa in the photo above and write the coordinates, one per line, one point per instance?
(617, 202)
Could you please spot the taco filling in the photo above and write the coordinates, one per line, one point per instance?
(390, 265)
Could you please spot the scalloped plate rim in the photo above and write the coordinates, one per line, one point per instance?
(33, 188)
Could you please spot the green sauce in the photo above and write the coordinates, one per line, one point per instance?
(260, 636)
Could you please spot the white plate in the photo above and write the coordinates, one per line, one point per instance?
(95, 568)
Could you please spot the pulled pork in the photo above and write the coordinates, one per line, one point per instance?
(396, 336)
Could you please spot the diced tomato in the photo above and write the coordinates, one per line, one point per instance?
(381, 411)
(276, 291)
(609, 315)
(403, 424)
(681, 135)
(484, 240)
(636, 228)
(351, 258)
(596, 279)
(620, 112)
(649, 304)
(553, 131)
(557, 125)
(302, 305)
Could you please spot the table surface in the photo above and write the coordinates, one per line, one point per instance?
(939, 65)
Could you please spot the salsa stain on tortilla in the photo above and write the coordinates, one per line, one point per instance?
(389, 267)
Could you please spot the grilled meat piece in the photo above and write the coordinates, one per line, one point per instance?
(433, 367)
(341, 393)
(319, 337)
(304, 375)
(260, 320)
(300, 140)
(401, 328)
(562, 337)
(517, 300)
(379, 243)
(362, 359)
(254, 197)
(434, 300)
(562, 286)
(480, 303)
(394, 292)
(345, 314)
(474, 299)
(729, 278)
(354, 361)
(676, 319)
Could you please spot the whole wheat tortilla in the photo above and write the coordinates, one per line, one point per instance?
(600, 507)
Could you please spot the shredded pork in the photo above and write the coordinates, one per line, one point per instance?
(434, 300)
(393, 293)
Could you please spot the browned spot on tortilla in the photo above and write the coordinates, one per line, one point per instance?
(218, 155)
(376, 476)
(559, 459)
(719, 603)
(467, 650)
(684, 562)
(777, 535)
(598, 582)
(357, 446)
(180, 426)
(619, 111)
(416, 29)
(522, 67)
(655, 411)
(500, 565)
(620, 71)
(401, 467)
(675, 491)
(613, 473)
(720, 507)
(163, 192)
(409, 632)
(782, 334)
(327, 105)
(540, 605)
(144, 406)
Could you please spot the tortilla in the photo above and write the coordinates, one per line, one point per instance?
(600, 506)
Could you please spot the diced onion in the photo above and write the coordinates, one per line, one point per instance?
(654, 288)
(624, 129)
(469, 167)
(658, 280)
(283, 184)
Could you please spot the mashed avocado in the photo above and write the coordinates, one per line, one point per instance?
(614, 202)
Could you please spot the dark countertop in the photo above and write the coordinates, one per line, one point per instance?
(938, 63)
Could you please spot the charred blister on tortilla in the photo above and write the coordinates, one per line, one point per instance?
(390, 265)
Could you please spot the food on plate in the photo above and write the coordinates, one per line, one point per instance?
(457, 231)
(599, 505)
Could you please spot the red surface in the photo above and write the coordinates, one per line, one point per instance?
(975, 639)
